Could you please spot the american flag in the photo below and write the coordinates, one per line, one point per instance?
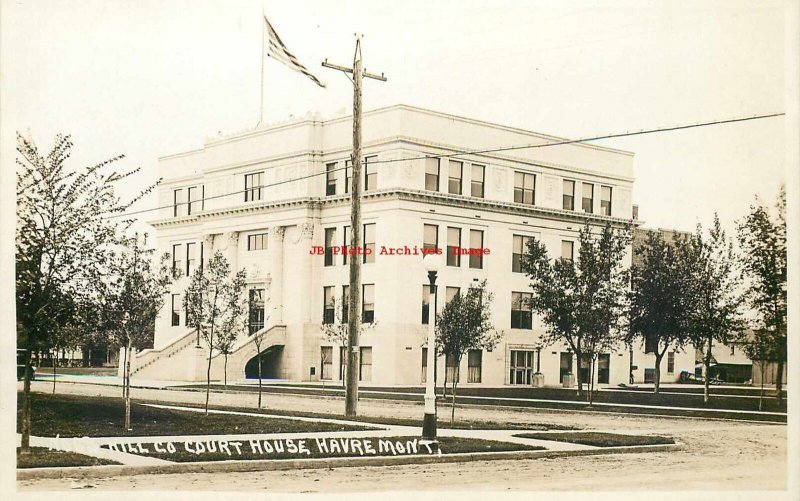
(279, 51)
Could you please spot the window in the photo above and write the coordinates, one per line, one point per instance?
(518, 250)
(424, 364)
(345, 243)
(176, 310)
(521, 367)
(330, 180)
(177, 260)
(368, 303)
(256, 307)
(177, 203)
(603, 364)
(451, 366)
(671, 362)
(426, 303)
(330, 238)
(193, 196)
(605, 200)
(348, 168)
(252, 186)
(567, 250)
(455, 171)
(342, 362)
(565, 365)
(326, 361)
(450, 293)
(524, 188)
(365, 364)
(453, 245)
(257, 241)
(345, 303)
(328, 305)
(521, 316)
(474, 363)
(369, 243)
(191, 258)
(370, 174)
(568, 199)
(430, 237)
(476, 243)
(477, 180)
(432, 174)
(588, 198)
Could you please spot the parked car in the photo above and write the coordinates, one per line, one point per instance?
(21, 366)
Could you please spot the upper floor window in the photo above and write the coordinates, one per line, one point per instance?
(328, 305)
(426, 302)
(568, 199)
(453, 245)
(567, 250)
(191, 258)
(605, 200)
(370, 174)
(432, 174)
(194, 199)
(345, 243)
(177, 259)
(257, 241)
(330, 238)
(345, 303)
(478, 173)
(455, 171)
(476, 243)
(524, 188)
(330, 179)
(369, 243)
(588, 198)
(348, 166)
(450, 293)
(177, 203)
(252, 186)
(368, 303)
(176, 310)
(518, 250)
(521, 315)
(430, 237)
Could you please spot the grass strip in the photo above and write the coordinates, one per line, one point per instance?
(599, 439)
(42, 457)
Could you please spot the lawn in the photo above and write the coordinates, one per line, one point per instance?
(77, 416)
(598, 439)
(311, 448)
(41, 457)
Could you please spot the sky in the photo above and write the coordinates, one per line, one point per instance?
(150, 78)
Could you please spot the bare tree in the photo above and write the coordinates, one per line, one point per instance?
(335, 329)
(258, 341)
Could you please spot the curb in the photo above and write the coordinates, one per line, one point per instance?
(106, 471)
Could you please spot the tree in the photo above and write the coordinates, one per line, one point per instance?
(134, 295)
(208, 301)
(658, 312)
(67, 329)
(258, 339)
(713, 293)
(63, 229)
(581, 301)
(236, 321)
(335, 329)
(465, 324)
(762, 238)
(760, 347)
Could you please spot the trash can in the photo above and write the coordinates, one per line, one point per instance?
(568, 381)
(538, 380)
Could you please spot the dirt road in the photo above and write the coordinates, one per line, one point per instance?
(719, 455)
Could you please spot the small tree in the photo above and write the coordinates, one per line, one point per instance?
(207, 303)
(134, 296)
(760, 347)
(335, 329)
(236, 320)
(258, 340)
(713, 287)
(465, 324)
(762, 238)
(658, 312)
(581, 301)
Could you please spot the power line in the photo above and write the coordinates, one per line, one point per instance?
(467, 152)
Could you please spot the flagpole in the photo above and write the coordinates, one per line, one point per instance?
(261, 106)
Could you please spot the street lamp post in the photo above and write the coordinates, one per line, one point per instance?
(432, 263)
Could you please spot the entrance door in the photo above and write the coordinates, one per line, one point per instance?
(603, 366)
(566, 365)
(521, 367)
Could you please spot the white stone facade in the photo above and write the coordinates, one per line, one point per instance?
(289, 217)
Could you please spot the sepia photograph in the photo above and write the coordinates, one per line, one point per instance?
(350, 249)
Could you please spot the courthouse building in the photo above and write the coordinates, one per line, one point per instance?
(266, 197)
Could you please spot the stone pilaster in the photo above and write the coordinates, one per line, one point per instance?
(303, 243)
(275, 267)
(232, 249)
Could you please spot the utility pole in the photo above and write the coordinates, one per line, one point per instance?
(354, 312)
